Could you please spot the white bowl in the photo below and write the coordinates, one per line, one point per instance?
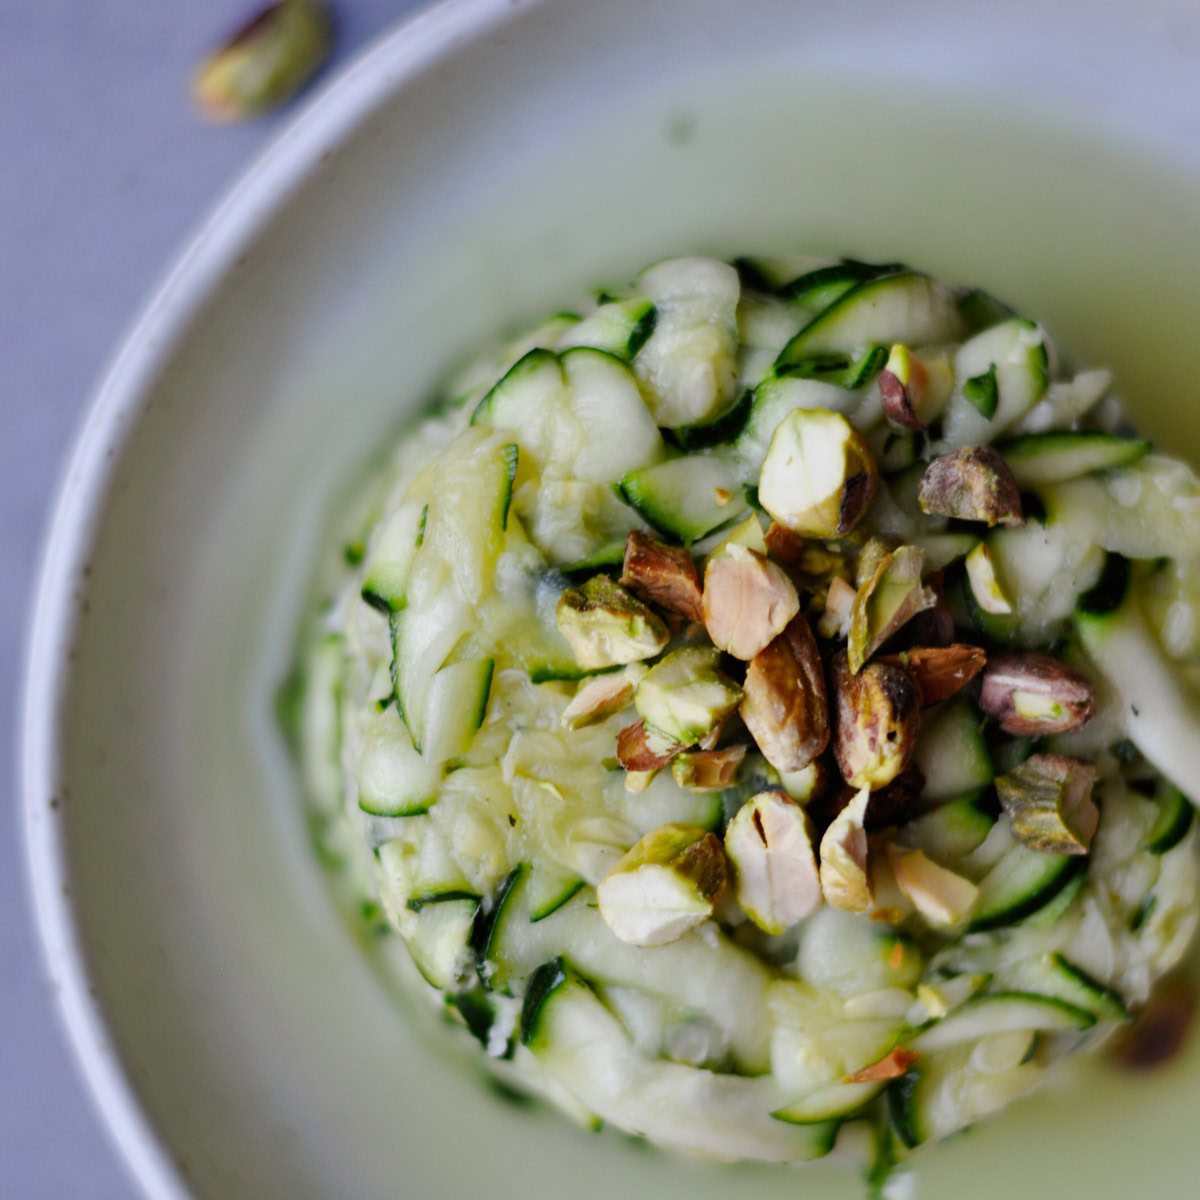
(483, 163)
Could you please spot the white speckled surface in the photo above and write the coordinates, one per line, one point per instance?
(106, 171)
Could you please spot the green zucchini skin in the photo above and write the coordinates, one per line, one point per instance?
(1028, 884)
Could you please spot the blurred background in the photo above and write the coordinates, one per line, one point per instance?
(105, 169)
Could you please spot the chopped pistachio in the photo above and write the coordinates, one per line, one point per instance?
(1161, 1027)
(818, 477)
(1032, 694)
(712, 738)
(785, 706)
(985, 587)
(891, 1066)
(934, 626)
(664, 886)
(265, 63)
(708, 770)
(890, 597)
(748, 601)
(972, 484)
(685, 696)
(662, 574)
(839, 604)
(782, 544)
(845, 874)
(769, 843)
(1048, 799)
(598, 698)
(897, 801)
(873, 552)
(809, 783)
(640, 749)
(902, 387)
(939, 671)
(606, 625)
(947, 996)
(940, 896)
(876, 717)
(747, 533)
(637, 782)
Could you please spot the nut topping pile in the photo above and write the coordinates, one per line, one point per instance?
(825, 651)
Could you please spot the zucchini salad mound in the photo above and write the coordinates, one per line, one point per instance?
(764, 706)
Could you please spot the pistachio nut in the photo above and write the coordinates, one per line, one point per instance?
(596, 699)
(785, 706)
(708, 770)
(839, 604)
(748, 601)
(1048, 799)
(972, 484)
(265, 63)
(662, 574)
(892, 1065)
(685, 696)
(664, 886)
(639, 750)
(818, 476)
(876, 717)
(1032, 694)
(939, 671)
(607, 626)
(782, 544)
(769, 844)
(890, 597)
(873, 551)
(902, 387)
(747, 533)
(940, 896)
(845, 870)
(985, 586)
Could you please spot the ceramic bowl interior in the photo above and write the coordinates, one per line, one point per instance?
(484, 164)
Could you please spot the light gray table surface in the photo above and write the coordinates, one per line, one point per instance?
(104, 171)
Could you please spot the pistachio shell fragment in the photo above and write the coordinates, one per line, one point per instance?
(972, 484)
(685, 696)
(708, 770)
(607, 626)
(785, 706)
(664, 886)
(769, 843)
(1032, 694)
(662, 574)
(748, 601)
(265, 63)
(940, 896)
(876, 717)
(1048, 799)
(939, 671)
(818, 476)
(845, 873)
(888, 599)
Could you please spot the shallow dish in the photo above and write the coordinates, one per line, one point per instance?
(484, 163)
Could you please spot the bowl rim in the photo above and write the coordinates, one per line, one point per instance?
(415, 44)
